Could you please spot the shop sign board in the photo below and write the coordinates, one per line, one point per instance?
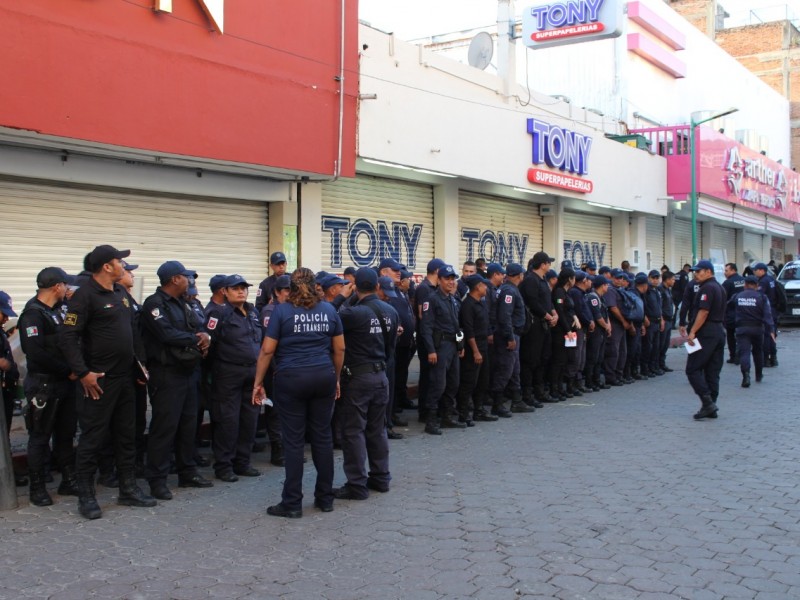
(495, 246)
(368, 242)
(580, 252)
(563, 151)
(548, 23)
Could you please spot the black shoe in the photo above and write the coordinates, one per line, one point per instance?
(759, 377)
(160, 491)
(88, 507)
(279, 510)
(628, 381)
(432, 429)
(346, 492)
(601, 386)
(521, 407)
(732, 361)
(448, 423)
(322, 507)
(247, 471)
(466, 421)
(657, 372)
(201, 461)
(666, 369)
(410, 404)
(132, 495)
(485, 417)
(745, 380)
(616, 383)
(194, 481)
(399, 421)
(708, 411)
(502, 412)
(227, 476)
(378, 487)
(203, 443)
(394, 435)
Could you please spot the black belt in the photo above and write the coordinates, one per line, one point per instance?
(238, 364)
(750, 324)
(376, 367)
(48, 378)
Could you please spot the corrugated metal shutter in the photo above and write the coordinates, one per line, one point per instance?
(587, 237)
(370, 218)
(45, 226)
(753, 246)
(682, 242)
(724, 238)
(655, 242)
(497, 229)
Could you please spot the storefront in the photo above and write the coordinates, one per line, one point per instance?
(655, 243)
(587, 237)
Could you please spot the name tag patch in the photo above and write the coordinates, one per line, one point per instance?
(212, 323)
(509, 299)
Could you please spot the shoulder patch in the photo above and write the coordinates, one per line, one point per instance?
(258, 293)
(156, 313)
(704, 297)
(595, 302)
(425, 306)
(126, 303)
(32, 331)
(266, 321)
(509, 299)
(212, 323)
(71, 319)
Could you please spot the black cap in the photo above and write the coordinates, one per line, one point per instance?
(366, 279)
(51, 276)
(284, 282)
(540, 258)
(350, 271)
(277, 258)
(104, 254)
(473, 280)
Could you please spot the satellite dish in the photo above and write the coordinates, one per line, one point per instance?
(481, 49)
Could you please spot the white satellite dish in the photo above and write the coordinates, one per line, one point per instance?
(481, 49)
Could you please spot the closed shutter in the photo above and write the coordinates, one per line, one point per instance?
(655, 242)
(753, 247)
(367, 219)
(44, 226)
(682, 242)
(587, 237)
(724, 238)
(497, 229)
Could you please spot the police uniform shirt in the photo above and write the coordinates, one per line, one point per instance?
(766, 286)
(611, 300)
(733, 285)
(652, 304)
(8, 378)
(474, 317)
(578, 297)
(462, 289)
(407, 319)
(711, 297)
(38, 335)
(752, 310)
(596, 306)
(439, 313)
(303, 335)
(236, 336)
(97, 334)
(687, 305)
(265, 315)
(364, 331)
(667, 307)
(138, 340)
(510, 313)
(565, 308)
(166, 322)
(491, 306)
(536, 294)
(422, 294)
(264, 292)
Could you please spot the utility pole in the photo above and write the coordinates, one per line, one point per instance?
(506, 46)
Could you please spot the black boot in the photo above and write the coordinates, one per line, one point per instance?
(574, 387)
(432, 426)
(87, 503)
(130, 494)
(68, 485)
(708, 410)
(745, 379)
(498, 407)
(517, 405)
(480, 414)
(276, 453)
(38, 491)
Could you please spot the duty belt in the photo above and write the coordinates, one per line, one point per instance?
(364, 368)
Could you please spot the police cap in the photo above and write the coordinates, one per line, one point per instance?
(277, 258)
(474, 280)
(435, 264)
(598, 281)
(389, 263)
(493, 268)
(170, 269)
(235, 280)
(447, 271)
(640, 278)
(5, 305)
(331, 280)
(514, 269)
(366, 279)
(655, 274)
(387, 285)
(707, 264)
(217, 282)
(580, 276)
(51, 276)
(102, 255)
(604, 269)
(284, 282)
(541, 258)
(751, 279)
(591, 266)
(756, 267)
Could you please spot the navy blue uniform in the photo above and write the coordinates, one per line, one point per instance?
(536, 294)
(651, 342)
(139, 384)
(753, 321)
(616, 351)
(667, 313)
(404, 349)
(766, 286)
(236, 341)
(510, 324)
(473, 389)
(577, 360)
(168, 327)
(732, 286)
(595, 340)
(8, 379)
(264, 293)
(422, 294)
(565, 309)
(703, 367)
(438, 330)
(369, 344)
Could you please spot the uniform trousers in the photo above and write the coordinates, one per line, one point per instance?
(140, 396)
(173, 422)
(234, 416)
(664, 339)
(305, 398)
(616, 352)
(651, 346)
(595, 346)
(473, 388)
(634, 350)
(505, 368)
(532, 354)
(402, 360)
(443, 381)
(362, 411)
(114, 415)
(63, 424)
(559, 358)
(576, 357)
(750, 339)
(770, 345)
(703, 367)
(733, 353)
(424, 380)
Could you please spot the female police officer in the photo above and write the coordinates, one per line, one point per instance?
(305, 337)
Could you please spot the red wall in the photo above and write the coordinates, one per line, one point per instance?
(117, 72)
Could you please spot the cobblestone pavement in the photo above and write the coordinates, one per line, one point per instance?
(614, 495)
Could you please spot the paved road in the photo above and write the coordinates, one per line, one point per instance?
(615, 495)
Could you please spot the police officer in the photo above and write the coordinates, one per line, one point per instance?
(467, 269)
(591, 270)
(216, 284)
(370, 332)
(406, 344)
(422, 294)
(97, 342)
(679, 289)
(577, 362)
(277, 262)
(387, 291)
(175, 345)
(766, 283)
(510, 324)
(473, 389)
(442, 338)
(599, 331)
(48, 387)
(390, 268)
(733, 284)
(236, 336)
(9, 374)
(653, 324)
(704, 365)
(752, 316)
(667, 314)
(616, 351)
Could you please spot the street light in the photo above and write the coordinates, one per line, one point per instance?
(692, 125)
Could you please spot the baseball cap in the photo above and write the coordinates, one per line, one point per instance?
(604, 269)
(654, 273)
(405, 274)
(5, 305)
(128, 266)
(192, 289)
(277, 258)
(331, 280)
(598, 281)
(707, 264)
(640, 278)
(474, 280)
(170, 269)
(540, 258)
(756, 266)
(234, 280)
(284, 282)
(387, 285)
(551, 274)
(350, 271)
(447, 271)
(617, 273)
(366, 279)
(217, 282)
(51, 276)
(104, 254)
(493, 268)
(435, 264)
(591, 265)
(389, 263)
(320, 276)
(514, 269)
(566, 264)
(580, 275)
(751, 279)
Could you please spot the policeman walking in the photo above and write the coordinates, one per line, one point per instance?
(753, 318)
(767, 283)
(733, 284)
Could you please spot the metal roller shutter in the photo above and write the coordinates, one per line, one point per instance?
(753, 247)
(587, 237)
(682, 242)
(369, 218)
(45, 226)
(724, 238)
(655, 242)
(497, 229)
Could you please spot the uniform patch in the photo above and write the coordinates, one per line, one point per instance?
(212, 323)
(425, 306)
(595, 303)
(109, 305)
(559, 301)
(126, 303)
(266, 321)
(258, 293)
(509, 299)
(71, 319)
(704, 297)
(31, 331)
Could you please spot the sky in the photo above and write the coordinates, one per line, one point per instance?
(411, 19)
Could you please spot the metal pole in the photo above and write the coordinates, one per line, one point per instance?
(693, 158)
(8, 487)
